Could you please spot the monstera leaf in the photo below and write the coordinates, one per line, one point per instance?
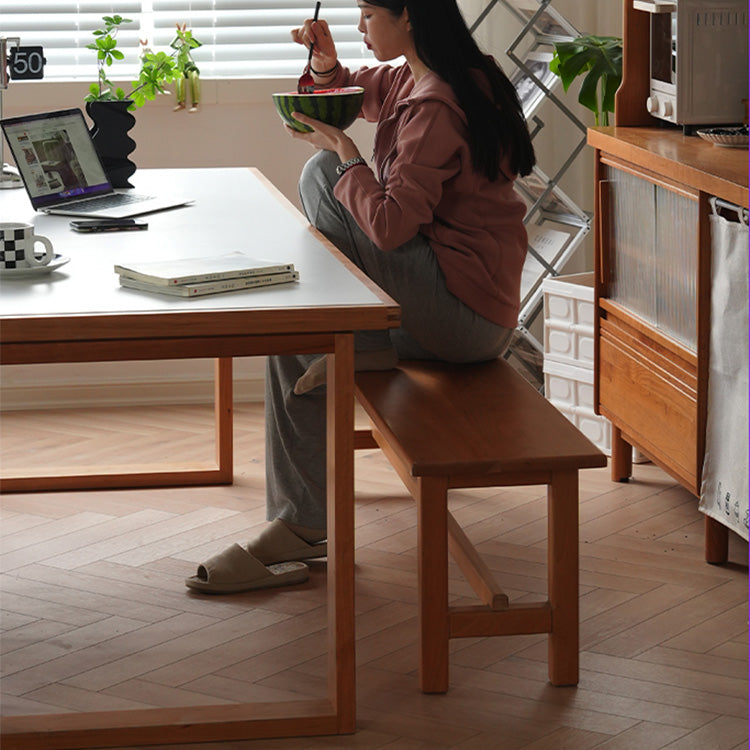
(599, 59)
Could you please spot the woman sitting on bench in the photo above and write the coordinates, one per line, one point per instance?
(435, 223)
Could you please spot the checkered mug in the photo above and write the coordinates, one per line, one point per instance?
(17, 247)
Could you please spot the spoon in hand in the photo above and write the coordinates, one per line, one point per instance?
(306, 84)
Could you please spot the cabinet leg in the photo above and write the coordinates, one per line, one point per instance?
(622, 457)
(716, 541)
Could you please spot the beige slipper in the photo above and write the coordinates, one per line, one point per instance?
(278, 543)
(235, 570)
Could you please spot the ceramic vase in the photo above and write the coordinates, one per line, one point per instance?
(112, 121)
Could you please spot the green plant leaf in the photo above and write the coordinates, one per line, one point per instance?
(599, 61)
(587, 95)
(561, 63)
(106, 43)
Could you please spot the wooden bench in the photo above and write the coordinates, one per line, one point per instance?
(447, 426)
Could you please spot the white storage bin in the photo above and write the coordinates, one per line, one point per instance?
(573, 344)
(569, 385)
(569, 299)
(597, 429)
(569, 356)
(571, 390)
(569, 318)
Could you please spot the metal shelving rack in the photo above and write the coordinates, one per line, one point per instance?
(556, 225)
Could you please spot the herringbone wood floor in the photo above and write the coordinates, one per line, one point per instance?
(95, 615)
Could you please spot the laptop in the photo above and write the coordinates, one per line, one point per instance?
(62, 172)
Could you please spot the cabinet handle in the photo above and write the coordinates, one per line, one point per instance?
(605, 220)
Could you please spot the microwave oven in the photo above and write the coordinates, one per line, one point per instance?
(698, 61)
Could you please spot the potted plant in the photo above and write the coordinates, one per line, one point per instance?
(109, 106)
(599, 60)
(187, 82)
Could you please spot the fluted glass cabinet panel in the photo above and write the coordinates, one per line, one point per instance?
(653, 247)
(632, 244)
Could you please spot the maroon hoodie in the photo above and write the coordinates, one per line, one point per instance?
(424, 182)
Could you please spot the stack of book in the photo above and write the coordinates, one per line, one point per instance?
(192, 277)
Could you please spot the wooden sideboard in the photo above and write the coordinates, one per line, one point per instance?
(653, 278)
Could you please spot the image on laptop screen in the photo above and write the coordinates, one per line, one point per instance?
(56, 157)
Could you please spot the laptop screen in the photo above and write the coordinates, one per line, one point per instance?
(56, 157)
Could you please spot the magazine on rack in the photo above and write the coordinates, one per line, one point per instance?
(530, 94)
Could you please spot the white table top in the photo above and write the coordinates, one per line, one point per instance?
(233, 210)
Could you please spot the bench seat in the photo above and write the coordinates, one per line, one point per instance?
(445, 426)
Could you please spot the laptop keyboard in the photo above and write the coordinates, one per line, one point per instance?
(109, 201)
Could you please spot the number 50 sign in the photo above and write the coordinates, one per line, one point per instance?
(26, 62)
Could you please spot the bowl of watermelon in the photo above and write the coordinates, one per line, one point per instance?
(337, 107)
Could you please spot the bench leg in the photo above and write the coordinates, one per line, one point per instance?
(562, 571)
(432, 546)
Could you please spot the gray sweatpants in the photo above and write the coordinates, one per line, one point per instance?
(435, 325)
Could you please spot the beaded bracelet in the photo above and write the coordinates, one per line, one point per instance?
(347, 165)
(325, 72)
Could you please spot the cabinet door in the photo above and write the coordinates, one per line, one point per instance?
(647, 363)
(654, 254)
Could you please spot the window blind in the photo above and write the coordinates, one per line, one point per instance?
(241, 38)
(64, 28)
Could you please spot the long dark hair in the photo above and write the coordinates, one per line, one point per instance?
(443, 42)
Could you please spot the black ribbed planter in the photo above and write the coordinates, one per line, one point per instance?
(112, 121)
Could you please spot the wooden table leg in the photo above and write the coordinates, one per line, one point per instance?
(223, 412)
(562, 573)
(340, 485)
(432, 545)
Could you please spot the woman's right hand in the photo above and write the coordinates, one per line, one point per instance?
(318, 34)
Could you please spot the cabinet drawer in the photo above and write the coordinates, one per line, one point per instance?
(651, 398)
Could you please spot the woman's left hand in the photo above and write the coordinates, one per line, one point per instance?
(325, 137)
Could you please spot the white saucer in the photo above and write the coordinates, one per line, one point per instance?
(25, 273)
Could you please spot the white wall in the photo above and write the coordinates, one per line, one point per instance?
(238, 126)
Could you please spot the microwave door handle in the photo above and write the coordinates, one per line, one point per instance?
(655, 6)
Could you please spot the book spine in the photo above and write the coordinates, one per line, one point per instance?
(239, 274)
(216, 287)
(203, 277)
(228, 285)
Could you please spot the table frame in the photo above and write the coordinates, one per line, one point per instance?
(220, 335)
(116, 477)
